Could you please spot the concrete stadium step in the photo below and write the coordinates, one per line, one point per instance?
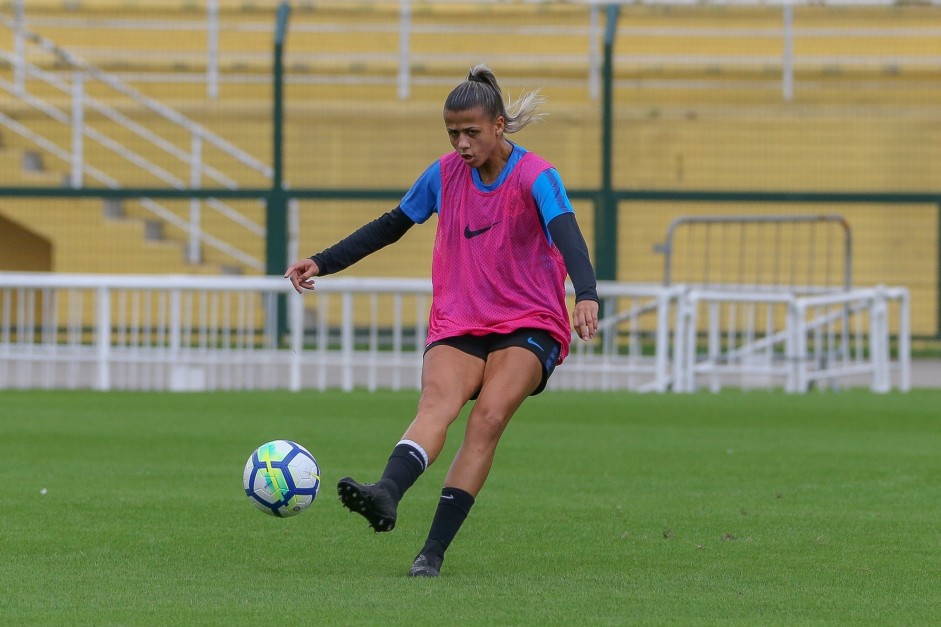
(85, 241)
(18, 167)
(211, 222)
(61, 219)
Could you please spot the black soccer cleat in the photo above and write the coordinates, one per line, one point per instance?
(371, 500)
(426, 565)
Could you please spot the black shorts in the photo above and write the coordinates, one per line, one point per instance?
(539, 342)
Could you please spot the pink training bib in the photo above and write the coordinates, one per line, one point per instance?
(493, 270)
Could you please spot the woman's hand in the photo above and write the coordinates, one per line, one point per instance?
(301, 272)
(585, 319)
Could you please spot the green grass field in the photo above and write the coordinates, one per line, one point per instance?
(739, 508)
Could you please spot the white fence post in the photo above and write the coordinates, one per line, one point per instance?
(905, 341)
(103, 338)
(679, 342)
(296, 313)
(405, 36)
(194, 252)
(714, 349)
(294, 229)
(594, 52)
(19, 48)
(77, 175)
(690, 326)
(879, 341)
(793, 347)
(662, 343)
(346, 342)
(212, 49)
(175, 333)
(787, 61)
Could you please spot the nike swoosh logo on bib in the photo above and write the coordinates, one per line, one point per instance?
(469, 234)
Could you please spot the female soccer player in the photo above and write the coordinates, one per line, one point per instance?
(498, 325)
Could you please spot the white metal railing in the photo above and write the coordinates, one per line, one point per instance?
(747, 251)
(182, 332)
(837, 327)
(766, 338)
(195, 333)
(76, 90)
(632, 349)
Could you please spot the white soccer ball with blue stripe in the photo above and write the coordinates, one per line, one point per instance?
(281, 478)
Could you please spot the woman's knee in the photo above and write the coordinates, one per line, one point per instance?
(486, 424)
(440, 400)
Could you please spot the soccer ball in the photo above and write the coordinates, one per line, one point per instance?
(281, 478)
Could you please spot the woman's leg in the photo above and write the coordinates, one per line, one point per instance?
(510, 375)
(449, 378)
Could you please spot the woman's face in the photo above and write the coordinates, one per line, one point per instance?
(474, 135)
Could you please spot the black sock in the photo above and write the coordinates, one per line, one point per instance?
(453, 507)
(407, 462)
